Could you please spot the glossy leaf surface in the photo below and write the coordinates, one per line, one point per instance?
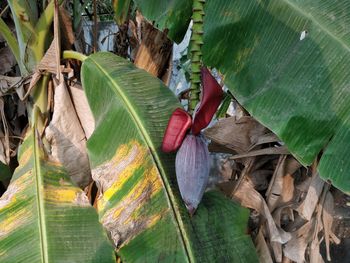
(171, 16)
(121, 10)
(286, 61)
(295, 86)
(140, 205)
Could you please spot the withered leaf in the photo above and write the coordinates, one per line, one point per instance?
(82, 108)
(235, 134)
(308, 206)
(249, 197)
(68, 141)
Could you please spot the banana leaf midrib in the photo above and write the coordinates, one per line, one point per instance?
(319, 24)
(184, 238)
(41, 207)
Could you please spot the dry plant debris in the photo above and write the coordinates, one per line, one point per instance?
(292, 208)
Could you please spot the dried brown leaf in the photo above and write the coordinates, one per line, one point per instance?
(262, 249)
(281, 189)
(274, 191)
(260, 179)
(237, 135)
(49, 62)
(308, 206)
(288, 189)
(297, 245)
(315, 255)
(82, 108)
(68, 142)
(4, 136)
(66, 29)
(327, 220)
(277, 251)
(265, 138)
(10, 84)
(218, 148)
(34, 80)
(265, 151)
(286, 260)
(249, 197)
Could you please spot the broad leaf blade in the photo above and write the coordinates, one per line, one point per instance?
(295, 86)
(11, 41)
(169, 15)
(140, 205)
(121, 10)
(44, 218)
(286, 61)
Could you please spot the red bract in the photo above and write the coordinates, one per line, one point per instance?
(211, 99)
(192, 159)
(179, 123)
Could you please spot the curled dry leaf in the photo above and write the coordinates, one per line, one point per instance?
(327, 220)
(260, 152)
(82, 108)
(308, 206)
(238, 135)
(11, 84)
(67, 138)
(281, 187)
(192, 170)
(298, 208)
(66, 28)
(315, 255)
(154, 52)
(265, 138)
(296, 247)
(262, 249)
(50, 62)
(4, 136)
(249, 197)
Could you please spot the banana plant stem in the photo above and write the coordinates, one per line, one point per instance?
(70, 54)
(196, 43)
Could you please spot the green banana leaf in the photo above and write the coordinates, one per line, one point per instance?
(174, 16)
(286, 61)
(45, 218)
(121, 10)
(32, 32)
(140, 204)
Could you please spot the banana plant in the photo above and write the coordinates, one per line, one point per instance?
(44, 217)
(286, 62)
(32, 32)
(140, 205)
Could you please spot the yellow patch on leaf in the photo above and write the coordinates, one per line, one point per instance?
(149, 184)
(14, 221)
(66, 194)
(25, 157)
(113, 175)
(15, 189)
(127, 217)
